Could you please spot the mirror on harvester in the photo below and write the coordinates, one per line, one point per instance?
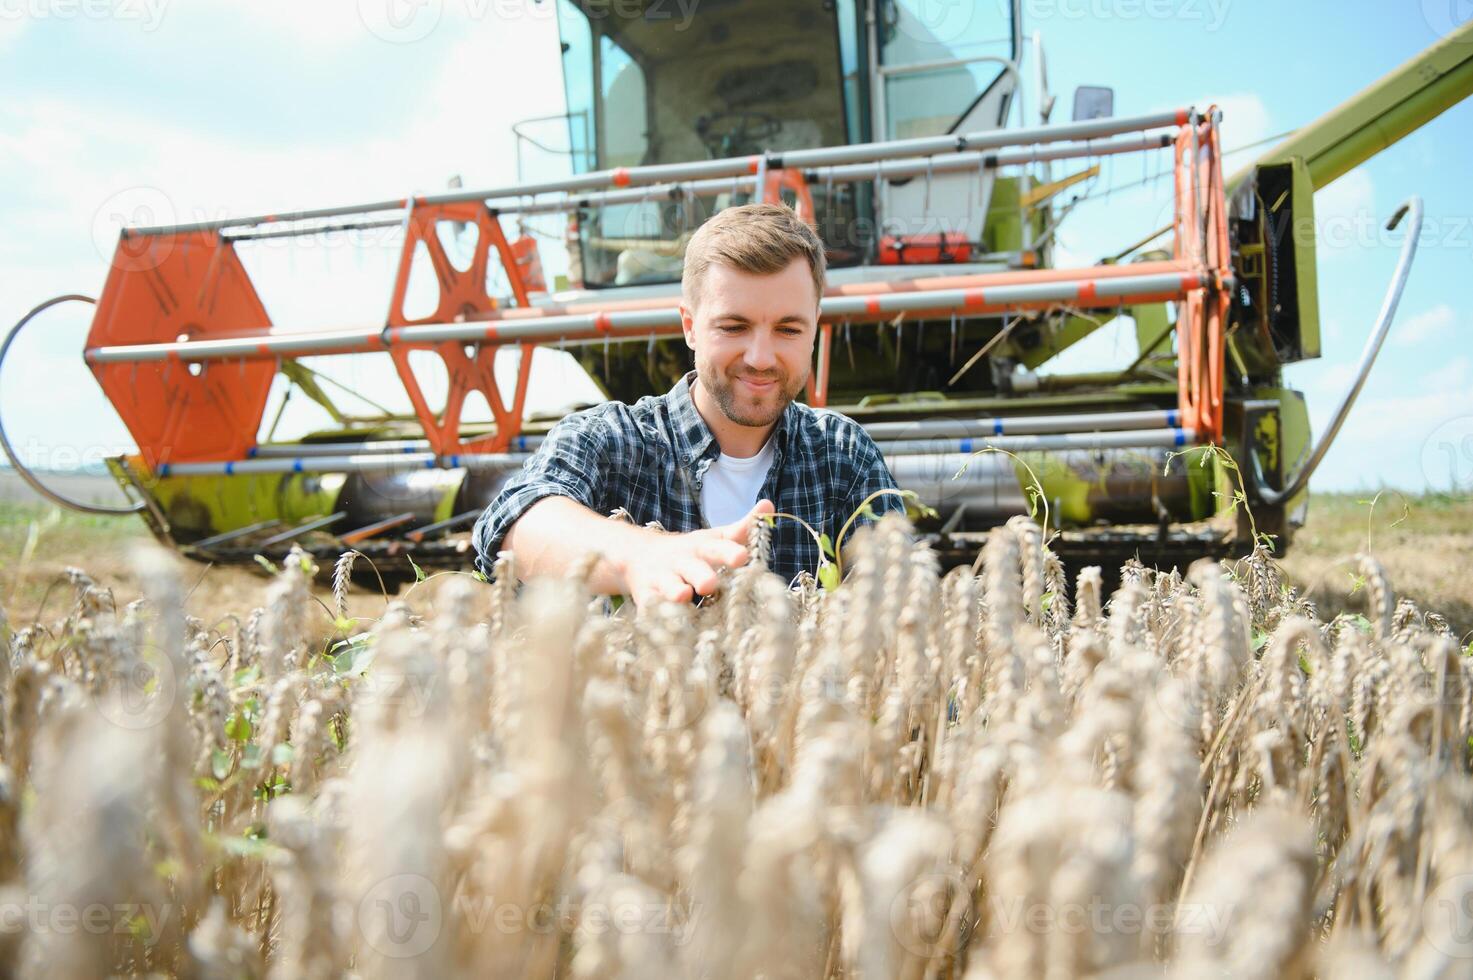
(1093, 102)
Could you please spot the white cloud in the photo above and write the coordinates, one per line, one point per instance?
(1425, 327)
(66, 166)
(10, 30)
(1245, 119)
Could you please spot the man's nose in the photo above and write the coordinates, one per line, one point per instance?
(760, 355)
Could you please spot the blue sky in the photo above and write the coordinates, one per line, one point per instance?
(154, 110)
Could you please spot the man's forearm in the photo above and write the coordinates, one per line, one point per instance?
(557, 533)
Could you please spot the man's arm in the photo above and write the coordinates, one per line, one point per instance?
(547, 514)
(557, 533)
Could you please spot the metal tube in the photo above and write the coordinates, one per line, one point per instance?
(1392, 299)
(476, 461)
(301, 529)
(1145, 439)
(292, 449)
(256, 236)
(268, 345)
(1023, 425)
(384, 447)
(728, 167)
(240, 532)
(343, 464)
(859, 308)
(846, 173)
(20, 468)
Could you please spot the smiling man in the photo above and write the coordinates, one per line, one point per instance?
(724, 447)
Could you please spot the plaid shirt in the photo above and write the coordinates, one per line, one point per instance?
(650, 458)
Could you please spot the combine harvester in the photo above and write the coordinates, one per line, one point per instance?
(944, 302)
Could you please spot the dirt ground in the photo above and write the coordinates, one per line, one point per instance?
(1425, 543)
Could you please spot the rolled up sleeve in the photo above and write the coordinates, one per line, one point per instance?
(571, 462)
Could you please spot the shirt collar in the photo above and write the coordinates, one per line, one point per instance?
(693, 437)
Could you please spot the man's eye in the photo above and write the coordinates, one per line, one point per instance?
(731, 328)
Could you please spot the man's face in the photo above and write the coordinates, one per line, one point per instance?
(753, 339)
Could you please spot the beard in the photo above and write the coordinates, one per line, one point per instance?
(743, 407)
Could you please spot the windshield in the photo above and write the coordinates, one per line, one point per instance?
(939, 61)
(653, 81)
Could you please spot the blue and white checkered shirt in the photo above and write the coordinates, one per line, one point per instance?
(650, 458)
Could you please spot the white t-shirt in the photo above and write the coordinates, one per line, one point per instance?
(731, 485)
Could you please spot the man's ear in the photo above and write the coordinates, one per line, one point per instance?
(688, 326)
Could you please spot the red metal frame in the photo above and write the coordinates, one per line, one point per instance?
(170, 287)
(462, 295)
(191, 285)
(1201, 241)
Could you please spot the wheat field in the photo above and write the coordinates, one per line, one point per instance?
(914, 775)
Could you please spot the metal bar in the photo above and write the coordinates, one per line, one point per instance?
(1024, 425)
(239, 532)
(289, 449)
(394, 462)
(449, 524)
(474, 461)
(403, 447)
(921, 67)
(847, 173)
(378, 527)
(1087, 289)
(302, 529)
(729, 167)
(256, 236)
(858, 309)
(1144, 439)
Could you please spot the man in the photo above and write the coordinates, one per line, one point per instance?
(725, 447)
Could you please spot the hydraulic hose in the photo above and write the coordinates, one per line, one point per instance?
(1367, 359)
(20, 468)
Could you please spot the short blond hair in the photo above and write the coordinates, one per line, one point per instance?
(762, 239)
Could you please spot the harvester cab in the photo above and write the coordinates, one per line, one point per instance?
(938, 191)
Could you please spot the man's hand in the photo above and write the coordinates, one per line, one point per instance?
(677, 567)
